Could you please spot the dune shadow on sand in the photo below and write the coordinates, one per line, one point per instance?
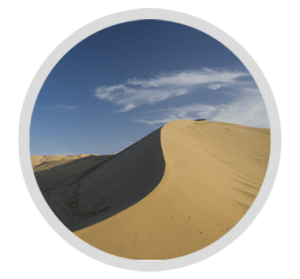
(86, 191)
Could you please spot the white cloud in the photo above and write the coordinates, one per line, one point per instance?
(248, 109)
(136, 92)
(214, 86)
(127, 107)
(63, 152)
(248, 112)
(186, 112)
(64, 107)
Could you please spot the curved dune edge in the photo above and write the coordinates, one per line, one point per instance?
(213, 173)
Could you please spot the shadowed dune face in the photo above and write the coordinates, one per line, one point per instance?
(53, 176)
(212, 175)
(103, 190)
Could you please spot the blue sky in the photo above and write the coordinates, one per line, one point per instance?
(123, 82)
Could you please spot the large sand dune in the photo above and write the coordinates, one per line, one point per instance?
(201, 178)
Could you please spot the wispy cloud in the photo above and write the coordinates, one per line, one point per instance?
(186, 112)
(247, 109)
(63, 152)
(136, 92)
(63, 107)
(215, 86)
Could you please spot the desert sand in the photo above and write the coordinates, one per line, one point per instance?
(212, 173)
(46, 162)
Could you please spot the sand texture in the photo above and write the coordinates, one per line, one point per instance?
(212, 172)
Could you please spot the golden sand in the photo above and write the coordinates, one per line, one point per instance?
(213, 173)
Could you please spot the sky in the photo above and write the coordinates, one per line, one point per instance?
(123, 82)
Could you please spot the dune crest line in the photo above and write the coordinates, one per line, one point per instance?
(212, 175)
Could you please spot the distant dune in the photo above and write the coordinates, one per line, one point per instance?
(45, 162)
(174, 192)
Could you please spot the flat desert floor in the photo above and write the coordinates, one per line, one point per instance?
(210, 175)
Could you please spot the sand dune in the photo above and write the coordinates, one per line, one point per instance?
(174, 192)
(40, 162)
(212, 173)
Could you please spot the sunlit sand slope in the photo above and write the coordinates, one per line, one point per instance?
(213, 173)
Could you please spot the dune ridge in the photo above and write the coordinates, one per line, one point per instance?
(213, 172)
